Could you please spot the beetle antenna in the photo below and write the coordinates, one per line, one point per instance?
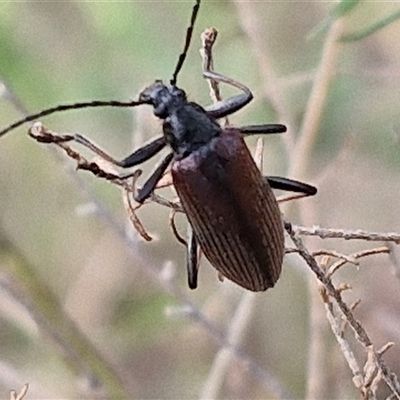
(66, 107)
(189, 33)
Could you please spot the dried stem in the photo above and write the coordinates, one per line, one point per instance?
(21, 394)
(330, 233)
(365, 253)
(359, 331)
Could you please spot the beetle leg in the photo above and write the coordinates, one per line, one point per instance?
(229, 106)
(150, 184)
(137, 157)
(192, 262)
(290, 185)
(144, 153)
(262, 129)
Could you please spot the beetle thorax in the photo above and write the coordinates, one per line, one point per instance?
(186, 127)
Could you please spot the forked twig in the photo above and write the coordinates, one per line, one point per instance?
(21, 394)
(355, 256)
(358, 329)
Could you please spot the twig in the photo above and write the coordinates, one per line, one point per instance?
(208, 38)
(21, 394)
(394, 255)
(336, 254)
(325, 233)
(359, 331)
(355, 256)
(131, 210)
(337, 330)
(174, 229)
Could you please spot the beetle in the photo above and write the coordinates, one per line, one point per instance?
(231, 209)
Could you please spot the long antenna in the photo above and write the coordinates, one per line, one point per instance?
(65, 107)
(188, 39)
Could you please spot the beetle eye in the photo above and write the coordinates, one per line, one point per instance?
(167, 127)
(161, 110)
(176, 93)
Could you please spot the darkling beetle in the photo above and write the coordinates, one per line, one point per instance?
(233, 214)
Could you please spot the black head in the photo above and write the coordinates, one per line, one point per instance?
(165, 99)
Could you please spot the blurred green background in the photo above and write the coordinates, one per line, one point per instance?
(62, 52)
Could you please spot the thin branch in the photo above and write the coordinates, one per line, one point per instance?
(131, 211)
(358, 329)
(329, 233)
(337, 330)
(21, 394)
(355, 256)
(332, 253)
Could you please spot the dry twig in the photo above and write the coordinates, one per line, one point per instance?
(21, 394)
(359, 331)
(330, 233)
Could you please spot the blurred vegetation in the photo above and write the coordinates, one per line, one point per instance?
(61, 52)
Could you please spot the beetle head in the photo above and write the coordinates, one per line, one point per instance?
(163, 98)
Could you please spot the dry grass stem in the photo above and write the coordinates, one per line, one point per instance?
(331, 233)
(359, 331)
(131, 211)
(174, 229)
(21, 394)
(355, 256)
(335, 254)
